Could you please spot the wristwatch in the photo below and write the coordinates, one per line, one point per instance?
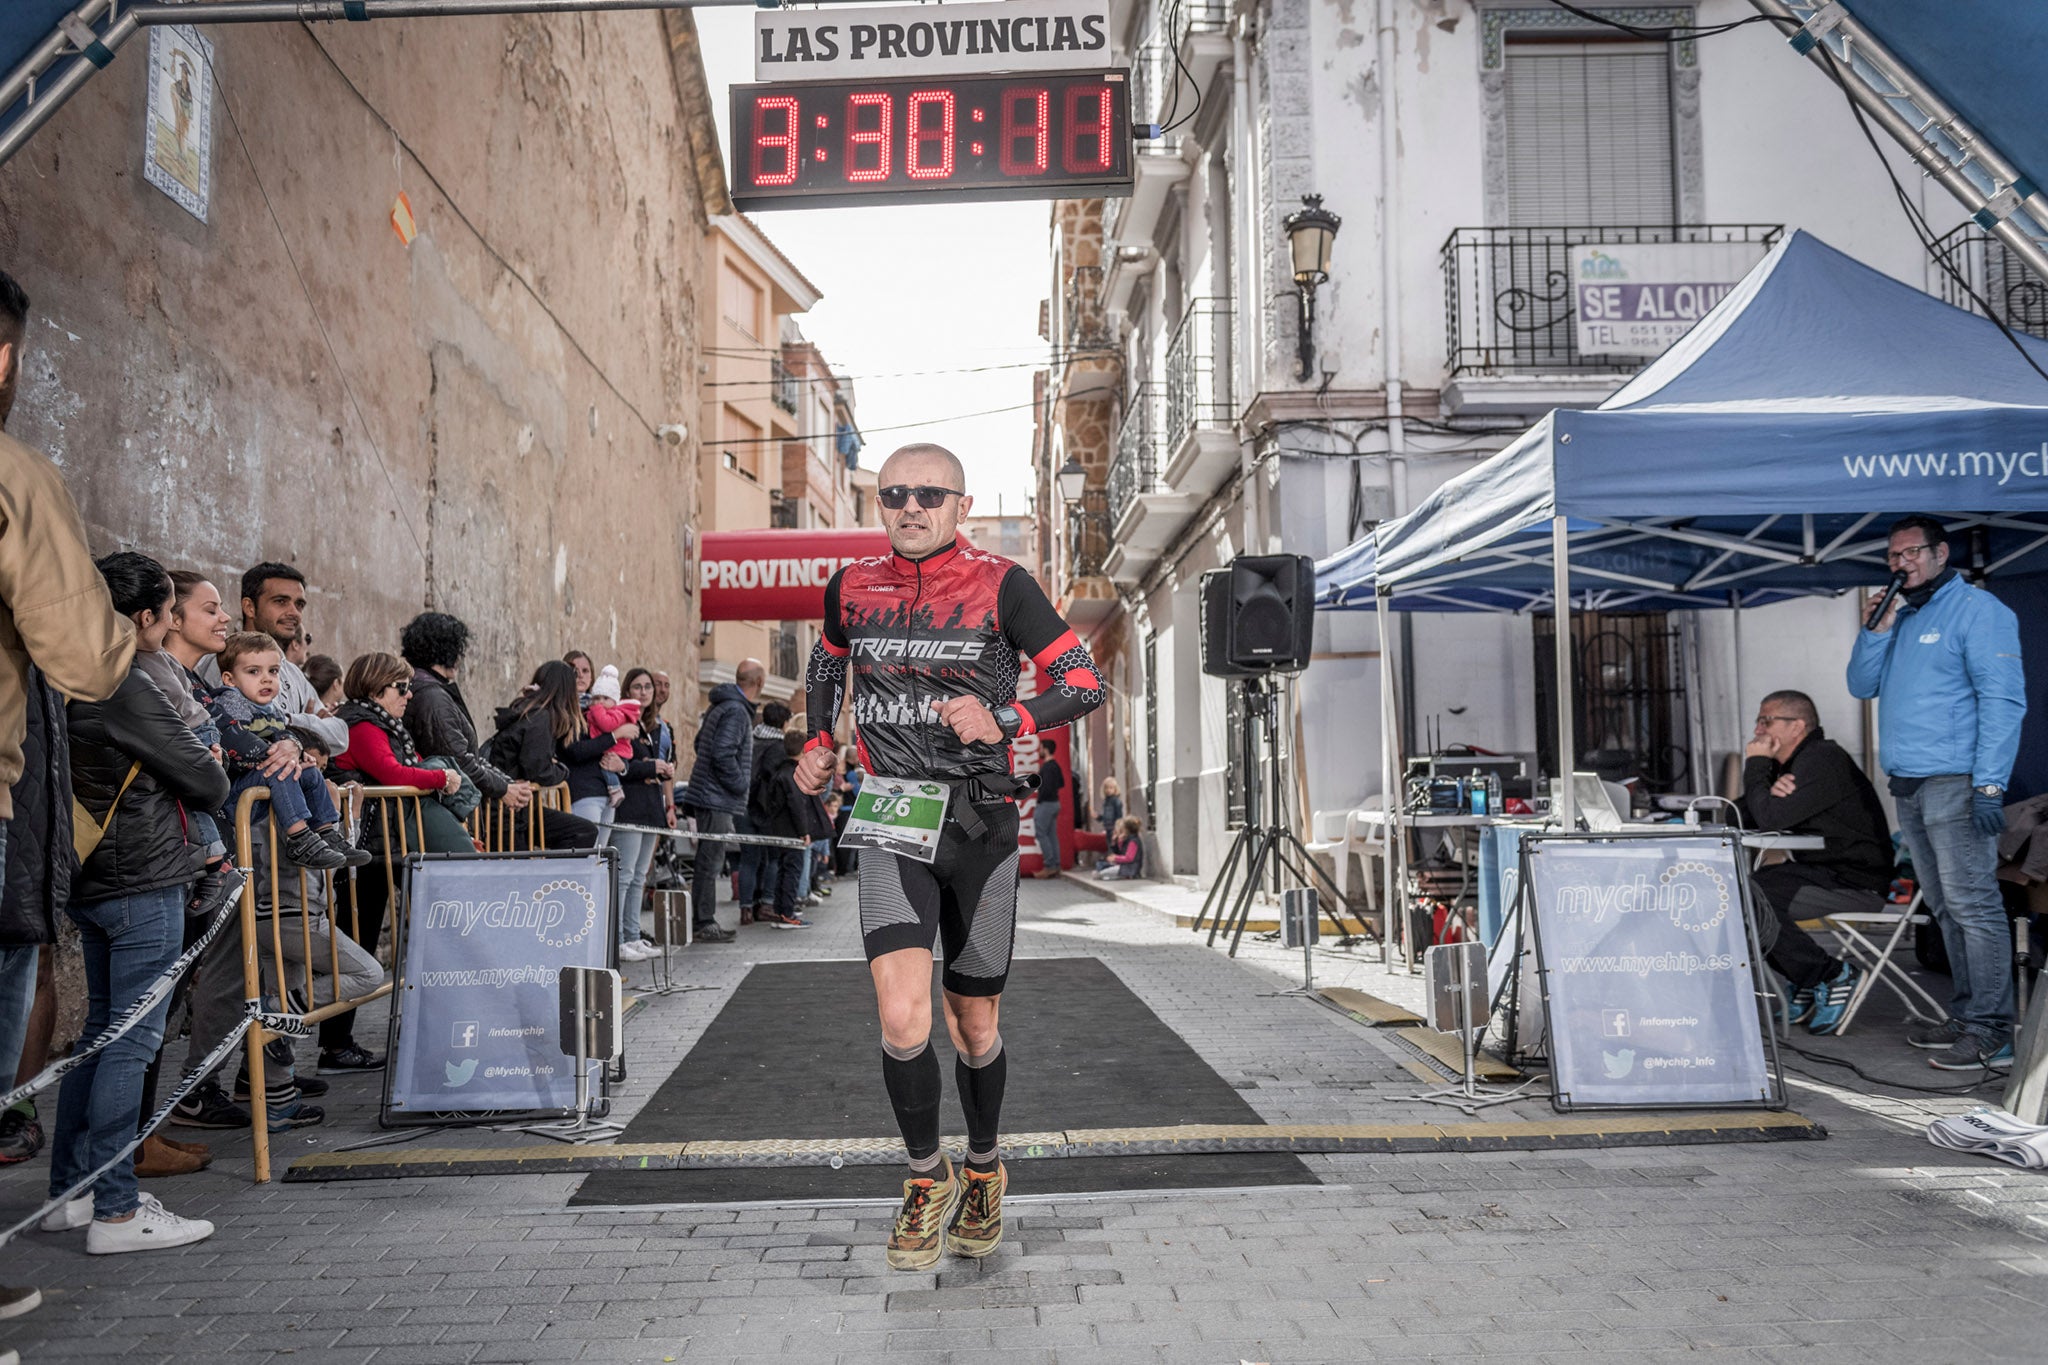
(1990, 789)
(1009, 720)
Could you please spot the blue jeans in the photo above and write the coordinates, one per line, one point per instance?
(294, 798)
(1955, 865)
(1045, 822)
(598, 811)
(17, 990)
(636, 856)
(128, 941)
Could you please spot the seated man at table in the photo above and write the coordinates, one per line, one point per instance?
(1796, 779)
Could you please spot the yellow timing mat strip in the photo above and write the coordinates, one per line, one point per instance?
(1558, 1133)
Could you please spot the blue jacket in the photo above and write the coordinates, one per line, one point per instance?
(1949, 687)
(725, 752)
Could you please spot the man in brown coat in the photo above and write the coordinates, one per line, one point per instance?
(55, 613)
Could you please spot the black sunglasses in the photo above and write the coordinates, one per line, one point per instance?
(404, 689)
(897, 496)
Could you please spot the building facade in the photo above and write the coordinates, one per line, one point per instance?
(1474, 150)
(419, 335)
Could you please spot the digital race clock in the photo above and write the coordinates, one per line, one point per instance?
(1043, 135)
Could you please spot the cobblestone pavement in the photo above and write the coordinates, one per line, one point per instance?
(1869, 1247)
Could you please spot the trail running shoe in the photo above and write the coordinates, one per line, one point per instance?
(928, 1203)
(1972, 1053)
(1831, 998)
(1935, 1037)
(978, 1226)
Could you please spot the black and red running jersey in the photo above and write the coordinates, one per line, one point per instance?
(909, 634)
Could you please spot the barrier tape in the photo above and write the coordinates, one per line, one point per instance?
(158, 992)
(694, 836)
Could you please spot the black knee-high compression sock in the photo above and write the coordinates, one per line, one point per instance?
(912, 1076)
(981, 1099)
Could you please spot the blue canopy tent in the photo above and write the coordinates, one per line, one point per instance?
(1761, 457)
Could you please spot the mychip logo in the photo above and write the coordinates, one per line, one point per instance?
(559, 913)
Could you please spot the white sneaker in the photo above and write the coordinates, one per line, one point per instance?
(153, 1228)
(72, 1213)
(635, 951)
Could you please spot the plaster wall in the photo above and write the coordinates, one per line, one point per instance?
(465, 423)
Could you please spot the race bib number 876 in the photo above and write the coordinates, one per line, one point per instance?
(898, 815)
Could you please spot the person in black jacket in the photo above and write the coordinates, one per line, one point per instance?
(719, 787)
(782, 812)
(132, 762)
(1795, 778)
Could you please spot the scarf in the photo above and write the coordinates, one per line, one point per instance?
(401, 740)
(1917, 598)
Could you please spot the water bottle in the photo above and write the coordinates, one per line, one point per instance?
(1493, 802)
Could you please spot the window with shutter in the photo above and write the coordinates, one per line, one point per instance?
(1588, 134)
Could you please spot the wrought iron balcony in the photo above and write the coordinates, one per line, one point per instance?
(1198, 370)
(1087, 541)
(1995, 273)
(1086, 315)
(1508, 298)
(784, 658)
(1200, 16)
(783, 385)
(1134, 469)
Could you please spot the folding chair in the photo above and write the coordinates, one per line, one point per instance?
(1870, 930)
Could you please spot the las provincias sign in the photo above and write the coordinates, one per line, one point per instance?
(931, 40)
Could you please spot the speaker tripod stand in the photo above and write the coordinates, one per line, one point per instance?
(1265, 846)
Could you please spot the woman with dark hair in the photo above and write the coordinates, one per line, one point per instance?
(381, 753)
(586, 674)
(643, 806)
(133, 761)
(438, 718)
(538, 737)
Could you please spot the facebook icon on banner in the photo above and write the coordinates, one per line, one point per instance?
(465, 1033)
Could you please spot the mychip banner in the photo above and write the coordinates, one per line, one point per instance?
(474, 1016)
(1649, 972)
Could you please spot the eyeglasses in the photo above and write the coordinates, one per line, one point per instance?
(1905, 552)
(403, 689)
(897, 496)
(1775, 720)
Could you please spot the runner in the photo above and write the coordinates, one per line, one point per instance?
(935, 634)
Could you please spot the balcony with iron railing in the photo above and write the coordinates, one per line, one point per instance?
(785, 659)
(1085, 312)
(1199, 412)
(1143, 511)
(1134, 468)
(1994, 272)
(783, 385)
(1156, 166)
(1509, 304)
(1087, 538)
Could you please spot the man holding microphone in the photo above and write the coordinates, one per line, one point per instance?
(1943, 660)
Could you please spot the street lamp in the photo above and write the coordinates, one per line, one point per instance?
(1073, 482)
(1310, 230)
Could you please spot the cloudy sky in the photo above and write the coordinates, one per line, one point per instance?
(933, 309)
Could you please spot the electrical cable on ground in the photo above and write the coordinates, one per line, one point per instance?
(1987, 1076)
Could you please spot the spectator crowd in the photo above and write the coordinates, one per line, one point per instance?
(141, 709)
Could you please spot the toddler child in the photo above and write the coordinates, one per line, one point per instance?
(250, 723)
(1126, 852)
(606, 714)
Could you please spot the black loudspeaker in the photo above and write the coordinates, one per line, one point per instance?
(1272, 612)
(1216, 614)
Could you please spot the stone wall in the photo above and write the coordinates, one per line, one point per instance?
(466, 423)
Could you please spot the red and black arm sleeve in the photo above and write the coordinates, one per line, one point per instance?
(1069, 685)
(825, 675)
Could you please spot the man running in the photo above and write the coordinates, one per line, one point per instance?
(935, 633)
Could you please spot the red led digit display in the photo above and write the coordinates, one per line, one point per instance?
(1032, 135)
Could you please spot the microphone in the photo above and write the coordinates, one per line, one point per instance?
(1884, 603)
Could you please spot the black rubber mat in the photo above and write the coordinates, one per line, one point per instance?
(796, 1053)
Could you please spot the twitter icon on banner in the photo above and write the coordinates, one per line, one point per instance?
(460, 1072)
(1619, 1064)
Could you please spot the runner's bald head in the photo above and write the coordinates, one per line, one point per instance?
(928, 457)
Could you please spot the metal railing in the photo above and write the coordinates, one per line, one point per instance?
(1508, 298)
(2015, 295)
(499, 829)
(1086, 311)
(1087, 540)
(784, 658)
(1134, 468)
(1199, 16)
(1198, 370)
(783, 384)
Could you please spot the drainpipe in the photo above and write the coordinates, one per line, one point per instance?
(1390, 264)
(1244, 277)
